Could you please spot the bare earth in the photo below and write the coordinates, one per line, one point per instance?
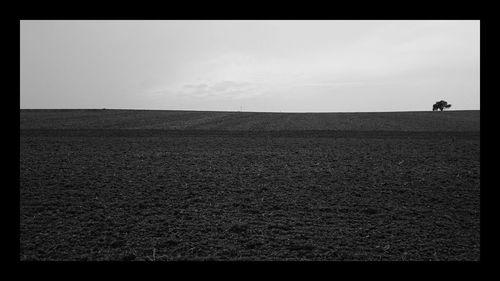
(179, 185)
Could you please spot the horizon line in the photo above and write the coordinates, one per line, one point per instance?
(240, 111)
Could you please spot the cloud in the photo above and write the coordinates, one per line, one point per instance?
(221, 89)
(396, 58)
(199, 86)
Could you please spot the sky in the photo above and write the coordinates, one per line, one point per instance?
(250, 65)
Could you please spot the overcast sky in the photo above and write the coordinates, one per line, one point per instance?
(289, 66)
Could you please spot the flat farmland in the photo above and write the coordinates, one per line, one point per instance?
(186, 185)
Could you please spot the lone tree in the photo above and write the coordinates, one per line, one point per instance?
(440, 105)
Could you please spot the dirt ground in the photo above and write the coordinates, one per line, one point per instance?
(208, 195)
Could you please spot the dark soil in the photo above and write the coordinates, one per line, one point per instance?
(219, 195)
(419, 121)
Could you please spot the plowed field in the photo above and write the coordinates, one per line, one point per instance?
(146, 185)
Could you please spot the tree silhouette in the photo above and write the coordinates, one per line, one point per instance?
(440, 105)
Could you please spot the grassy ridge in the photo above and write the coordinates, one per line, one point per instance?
(456, 121)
